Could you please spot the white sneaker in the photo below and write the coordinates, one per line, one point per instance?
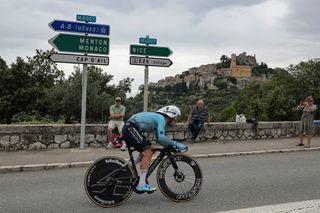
(109, 146)
(123, 147)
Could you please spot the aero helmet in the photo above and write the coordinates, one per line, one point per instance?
(171, 111)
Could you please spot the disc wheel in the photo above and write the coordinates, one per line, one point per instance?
(108, 182)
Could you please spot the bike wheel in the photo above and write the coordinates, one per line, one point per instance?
(182, 184)
(108, 181)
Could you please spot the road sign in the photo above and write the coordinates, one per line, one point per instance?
(80, 44)
(147, 41)
(78, 27)
(157, 62)
(150, 50)
(79, 59)
(86, 18)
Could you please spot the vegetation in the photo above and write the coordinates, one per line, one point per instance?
(36, 91)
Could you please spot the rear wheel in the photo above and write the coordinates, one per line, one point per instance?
(182, 184)
(108, 181)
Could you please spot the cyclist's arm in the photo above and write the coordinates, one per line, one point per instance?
(161, 138)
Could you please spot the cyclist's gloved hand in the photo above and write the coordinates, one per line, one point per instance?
(180, 147)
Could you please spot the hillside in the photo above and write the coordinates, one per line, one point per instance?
(218, 84)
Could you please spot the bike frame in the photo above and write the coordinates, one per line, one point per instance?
(166, 151)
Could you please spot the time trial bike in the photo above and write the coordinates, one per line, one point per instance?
(110, 180)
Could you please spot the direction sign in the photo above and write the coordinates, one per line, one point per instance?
(81, 44)
(86, 18)
(78, 27)
(147, 41)
(79, 59)
(150, 50)
(157, 62)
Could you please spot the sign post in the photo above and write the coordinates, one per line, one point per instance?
(83, 105)
(146, 61)
(146, 89)
(81, 44)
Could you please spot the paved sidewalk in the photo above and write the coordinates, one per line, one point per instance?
(68, 158)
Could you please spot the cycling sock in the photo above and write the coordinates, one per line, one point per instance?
(143, 175)
(137, 160)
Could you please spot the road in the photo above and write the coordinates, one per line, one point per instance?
(230, 183)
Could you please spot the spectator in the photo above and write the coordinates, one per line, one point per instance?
(306, 123)
(117, 112)
(198, 115)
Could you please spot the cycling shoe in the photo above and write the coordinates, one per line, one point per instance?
(146, 188)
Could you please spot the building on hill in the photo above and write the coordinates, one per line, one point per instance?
(206, 75)
(241, 66)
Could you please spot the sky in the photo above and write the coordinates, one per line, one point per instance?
(278, 32)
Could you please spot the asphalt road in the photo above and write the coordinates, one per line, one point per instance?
(229, 183)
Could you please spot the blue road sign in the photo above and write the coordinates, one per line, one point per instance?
(147, 41)
(86, 18)
(78, 27)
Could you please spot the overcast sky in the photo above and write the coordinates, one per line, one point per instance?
(278, 32)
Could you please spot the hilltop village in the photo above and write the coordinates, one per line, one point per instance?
(205, 76)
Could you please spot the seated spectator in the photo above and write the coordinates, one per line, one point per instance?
(198, 115)
(117, 112)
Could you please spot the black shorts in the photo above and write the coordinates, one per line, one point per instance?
(134, 138)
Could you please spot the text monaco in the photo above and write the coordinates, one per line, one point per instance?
(93, 44)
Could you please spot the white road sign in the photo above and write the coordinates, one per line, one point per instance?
(144, 61)
(79, 59)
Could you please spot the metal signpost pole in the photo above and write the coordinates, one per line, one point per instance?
(145, 88)
(83, 103)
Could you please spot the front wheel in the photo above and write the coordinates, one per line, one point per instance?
(108, 181)
(183, 183)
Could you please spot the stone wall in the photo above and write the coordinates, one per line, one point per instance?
(24, 137)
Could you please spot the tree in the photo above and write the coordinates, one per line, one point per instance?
(224, 62)
(65, 98)
(23, 85)
(307, 80)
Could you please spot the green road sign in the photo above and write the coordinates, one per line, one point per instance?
(149, 50)
(80, 44)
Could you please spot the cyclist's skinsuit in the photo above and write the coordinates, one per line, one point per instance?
(145, 122)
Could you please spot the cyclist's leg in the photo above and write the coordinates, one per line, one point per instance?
(137, 140)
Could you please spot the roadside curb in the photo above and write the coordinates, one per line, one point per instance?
(52, 166)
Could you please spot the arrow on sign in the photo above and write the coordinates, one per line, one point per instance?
(149, 50)
(156, 62)
(79, 59)
(81, 44)
(78, 27)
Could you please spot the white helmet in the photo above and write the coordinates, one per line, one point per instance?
(171, 111)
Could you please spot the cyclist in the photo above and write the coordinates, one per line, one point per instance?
(147, 122)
